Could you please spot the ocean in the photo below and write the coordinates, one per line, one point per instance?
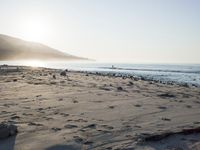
(185, 74)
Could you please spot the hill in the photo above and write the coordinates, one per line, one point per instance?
(12, 48)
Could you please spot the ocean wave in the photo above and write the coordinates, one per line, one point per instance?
(154, 70)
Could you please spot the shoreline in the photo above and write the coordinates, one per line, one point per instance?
(81, 110)
(122, 75)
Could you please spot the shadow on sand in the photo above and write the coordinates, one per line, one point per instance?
(63, 147)
(8, 143)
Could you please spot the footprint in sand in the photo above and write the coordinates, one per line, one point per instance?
(104, 88)
(25, 114)
(137, 126)
(196, 122)
(138, 105)
(128, 136)
(162, 107)
(39, 109)
(91, 126)
(111, 107)
(166, 95)
(64, 114)
(38, 95)
(88, 142)
(107, 127)
(104, 131)
(188, 106)
(99, 94)
(4, 112)
(97, 101)
(78, 139)
(15, 117)
(61, 99)
(197, 102)
(26, 107)
(80, 120)
(34, 124)
(48, 118)
(70, 126)
(75, 101)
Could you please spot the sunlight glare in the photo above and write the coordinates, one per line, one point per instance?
(35, 63)
(35, 29)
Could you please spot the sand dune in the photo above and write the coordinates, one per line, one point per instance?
(16, 49)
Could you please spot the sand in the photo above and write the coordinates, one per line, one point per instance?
(89, 111)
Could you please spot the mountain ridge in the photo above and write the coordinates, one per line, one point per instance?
(12, 48)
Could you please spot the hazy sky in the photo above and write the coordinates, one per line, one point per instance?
(138, 31)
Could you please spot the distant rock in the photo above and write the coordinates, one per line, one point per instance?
(120, 88)
(7, 130)
(63, 73)
(54, 76)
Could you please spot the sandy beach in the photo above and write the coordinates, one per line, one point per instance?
(83, 111)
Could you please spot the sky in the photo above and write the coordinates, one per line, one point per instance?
(128, 31)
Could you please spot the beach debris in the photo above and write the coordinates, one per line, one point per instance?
(7, 130)
(185, 85)
(56, 129)
(14, 80)
(124, 77)
(63, 73)
(54, 76)
(120, 88)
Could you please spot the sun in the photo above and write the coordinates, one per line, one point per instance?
(35, 29)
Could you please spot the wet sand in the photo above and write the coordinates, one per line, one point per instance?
(92, 111)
